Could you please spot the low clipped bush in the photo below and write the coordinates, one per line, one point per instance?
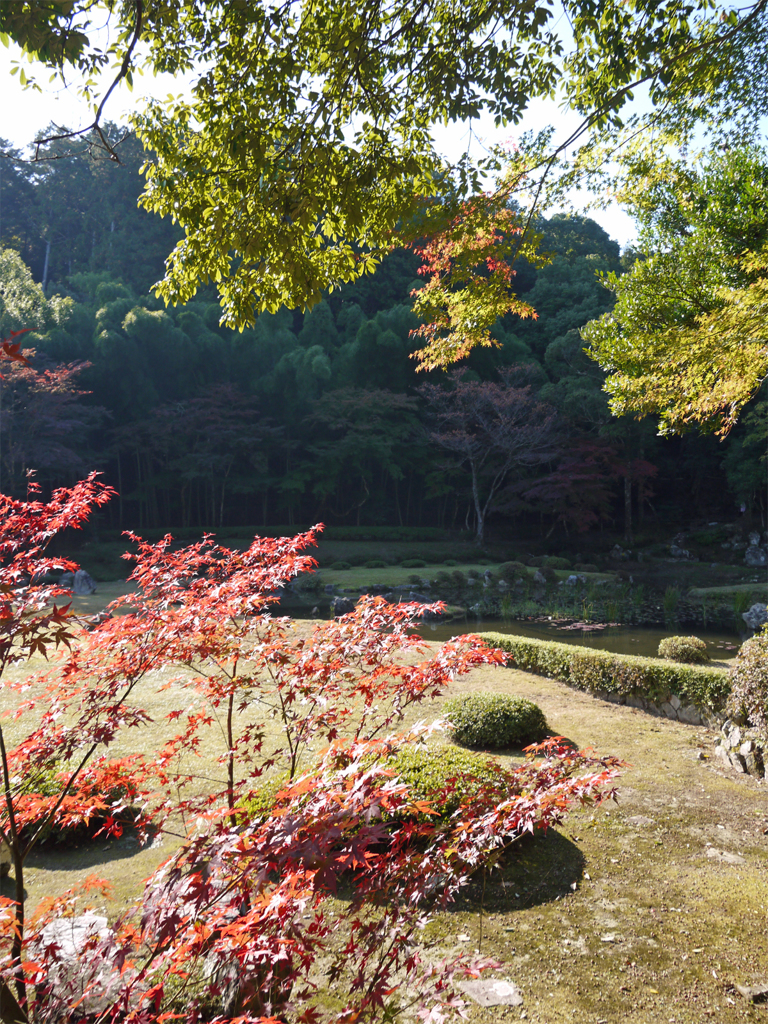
(458, 578)
(535, 560)
(375, 563)
(49, 782)
(447, 776)
(549, 574)
(495, 721)
(586, 567)
(511, 572)
(414, 580)
(310, 583)
(688, 649)
(749, 683)
(553, 562)
(340, 565)
(413, 563)
(450, 561)
(620, 674)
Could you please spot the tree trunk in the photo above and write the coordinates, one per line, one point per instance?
(46, 264)
(628, 509)
(479, 510)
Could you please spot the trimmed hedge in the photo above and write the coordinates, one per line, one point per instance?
(621, 674)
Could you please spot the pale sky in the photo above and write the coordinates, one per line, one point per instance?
(24, 111)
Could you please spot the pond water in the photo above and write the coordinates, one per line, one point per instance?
(641, 640)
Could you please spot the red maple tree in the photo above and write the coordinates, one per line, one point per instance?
(239, 924)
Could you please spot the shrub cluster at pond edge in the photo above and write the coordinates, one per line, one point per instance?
(687, 649)
(495, 721)
(620, 674)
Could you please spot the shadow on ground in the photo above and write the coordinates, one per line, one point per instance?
(534, 870)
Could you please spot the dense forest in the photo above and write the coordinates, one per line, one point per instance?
(322, 416)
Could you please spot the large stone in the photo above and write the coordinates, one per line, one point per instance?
(755, 993)
(80, 975)
(678, 552)
(83, 584)
(755, 556)
(756, 616)
(67, 579)
(754, 538)
(492, 992)
(690, 714)
(342, 606)
(738, 762)
(754, 764)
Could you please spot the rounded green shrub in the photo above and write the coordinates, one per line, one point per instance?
(450, 561)
(688, 649)
(446, 776)
(553, 562)
(414, 580)
(511, 572)
(375, 563)
(586, 567)
(549, 574)
(458, 579)
(413, 563)
(749, 683)
(341, 565)
(495, 721)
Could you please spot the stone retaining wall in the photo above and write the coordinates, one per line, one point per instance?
(742, 749)
(672, 708)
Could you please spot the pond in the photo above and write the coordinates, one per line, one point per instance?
(640, 640)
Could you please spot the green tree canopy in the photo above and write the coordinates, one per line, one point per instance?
(687, 339)
(304, 150)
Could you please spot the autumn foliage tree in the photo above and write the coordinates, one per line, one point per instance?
(492, 428)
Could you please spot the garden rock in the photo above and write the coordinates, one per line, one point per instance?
(756, 616)
(342, 606)
(754, 993)
(83, 584)
(678, 552)
(330, 588)
(573, 581)
(67, 579)
(741, 749)
(755, 556)
(102, 982)
(492, 992)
